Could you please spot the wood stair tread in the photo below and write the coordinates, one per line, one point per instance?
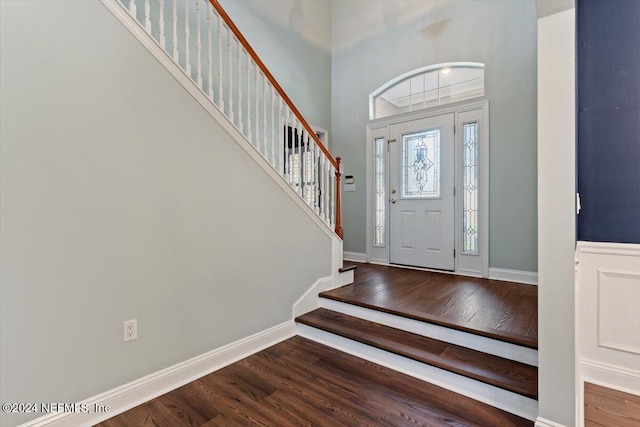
(503, 373)
(504, 336)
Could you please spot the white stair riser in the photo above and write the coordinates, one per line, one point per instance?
(346, 277)
(503, 349)
(502, 399)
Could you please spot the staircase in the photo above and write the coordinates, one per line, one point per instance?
(200, 45)
(499, 370)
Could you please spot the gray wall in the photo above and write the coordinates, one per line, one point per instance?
(376, 41)
(121, 199)
(293, 39)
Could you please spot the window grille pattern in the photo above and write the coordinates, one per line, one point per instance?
(427, 87)
(470, 189)
(421, 164)
(380, 194)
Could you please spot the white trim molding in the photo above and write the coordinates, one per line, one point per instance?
(610, 376)
(355, 256)
(542, 422)
(125, 397)
(527, 277)
(311, 299)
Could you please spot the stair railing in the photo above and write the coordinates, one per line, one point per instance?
(203, 40)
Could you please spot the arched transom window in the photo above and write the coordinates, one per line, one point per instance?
(427, 87)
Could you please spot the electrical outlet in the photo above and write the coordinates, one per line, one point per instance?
(130, 330)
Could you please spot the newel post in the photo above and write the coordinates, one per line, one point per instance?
(339, 230)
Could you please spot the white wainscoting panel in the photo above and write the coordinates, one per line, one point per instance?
(608, 317)
(619, 310)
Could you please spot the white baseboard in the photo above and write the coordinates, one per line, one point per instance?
(125, 397)
(511, 402)
(518, 276)
(355, 256)
(311, 299)
(610, 376)
(541, 422)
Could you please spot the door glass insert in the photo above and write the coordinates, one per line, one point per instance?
(470, 188)
(421, 164)
(379, 197)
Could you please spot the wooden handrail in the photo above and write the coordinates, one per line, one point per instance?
(272, 80)
(335, 162)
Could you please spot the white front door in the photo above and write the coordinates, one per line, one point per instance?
(421, 160)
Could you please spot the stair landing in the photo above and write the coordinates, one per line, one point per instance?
(495, 309)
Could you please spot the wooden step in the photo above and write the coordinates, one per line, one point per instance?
(351, 295)
(506, 374)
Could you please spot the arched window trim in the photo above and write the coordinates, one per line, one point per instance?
(411, 74)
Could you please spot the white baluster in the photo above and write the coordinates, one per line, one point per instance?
(264, 114)
(132, 8)
(240, 89)
(248, 97)
(256, 107)
(326, 191)
(220, 97)
(147, 16)
(187, 53)
(303, 149)
(163, 40)
(198, 47)
(229, 49)
(316, 178)
(287, 151)
(210, 54)
(273, 127)
(303, 168)
(281, 141)
(176, 56)
(322, 187)
(296, 151)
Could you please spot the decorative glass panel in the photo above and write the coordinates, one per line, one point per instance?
(421, 164)
(470, 189)
(428, 87)
(380, 198)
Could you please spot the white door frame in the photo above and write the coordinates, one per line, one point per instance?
(466, 264)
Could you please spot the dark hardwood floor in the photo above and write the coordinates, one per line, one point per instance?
(501, 310)
(302, 383)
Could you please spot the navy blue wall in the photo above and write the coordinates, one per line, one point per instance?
(608, 66)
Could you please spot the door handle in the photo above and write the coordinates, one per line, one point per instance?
(393, 200)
